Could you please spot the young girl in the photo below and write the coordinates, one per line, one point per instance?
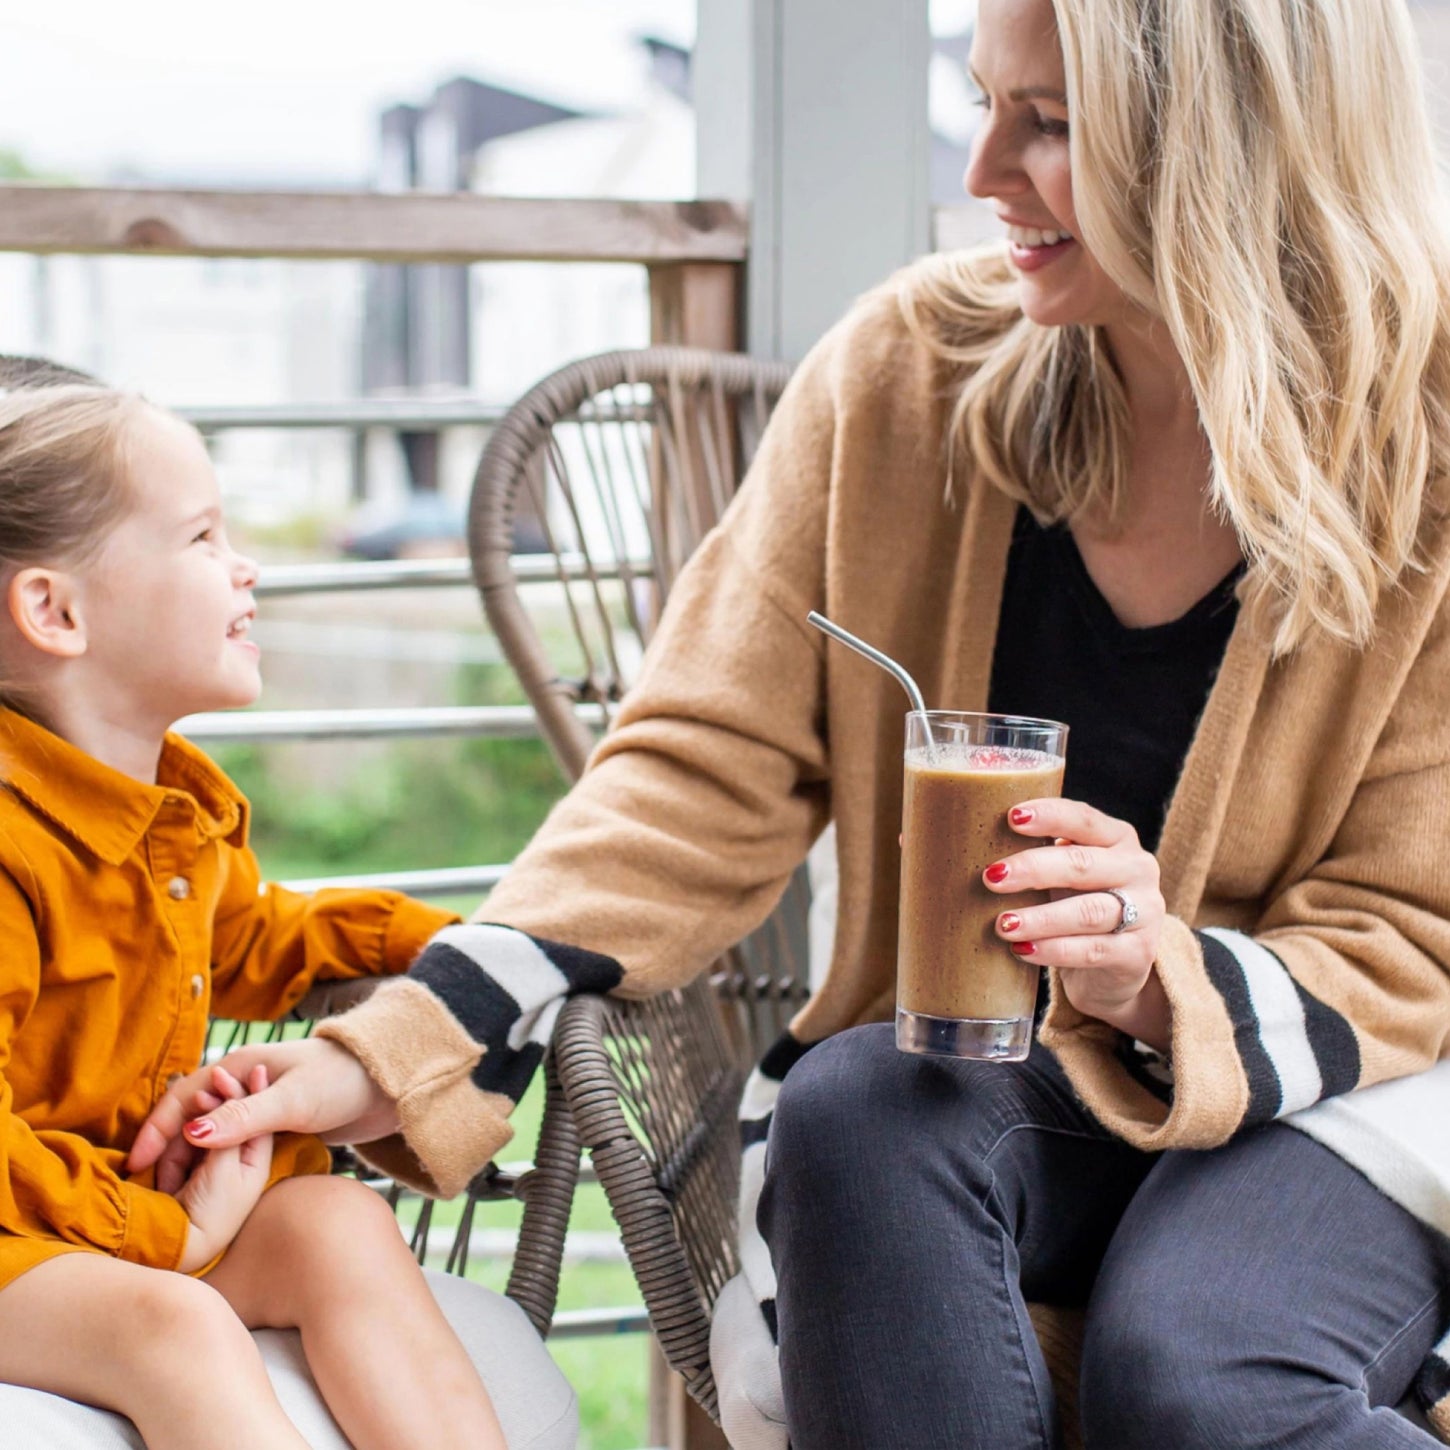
(131, 909)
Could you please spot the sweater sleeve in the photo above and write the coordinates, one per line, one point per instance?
(1342, 981)
(58, 1185)
(678, 840)
(269, 945)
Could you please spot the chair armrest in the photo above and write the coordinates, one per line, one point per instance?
(327, 999)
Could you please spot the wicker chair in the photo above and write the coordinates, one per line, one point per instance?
(620, 464)
(617, 466)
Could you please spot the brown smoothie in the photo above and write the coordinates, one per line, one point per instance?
(950, 960)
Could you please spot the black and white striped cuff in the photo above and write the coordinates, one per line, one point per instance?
(1295, 1048)
(505, 989)
(1432, 1386)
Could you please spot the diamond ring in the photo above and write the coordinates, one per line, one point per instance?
(1129, 906)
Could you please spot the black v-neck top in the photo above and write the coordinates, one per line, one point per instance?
(1132, 697)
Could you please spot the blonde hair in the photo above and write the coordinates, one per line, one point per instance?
(1260, 175)
(62, 473)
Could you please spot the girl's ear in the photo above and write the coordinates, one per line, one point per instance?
(43, 605)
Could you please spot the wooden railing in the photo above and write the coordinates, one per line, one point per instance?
(694, 251)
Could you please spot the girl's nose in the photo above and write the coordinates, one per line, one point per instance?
(246, 571)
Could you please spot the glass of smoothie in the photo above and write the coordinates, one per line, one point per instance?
(960, 992)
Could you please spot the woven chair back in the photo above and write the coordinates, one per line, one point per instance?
(612, 470)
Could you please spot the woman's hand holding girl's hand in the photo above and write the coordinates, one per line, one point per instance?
(314, 1086)
(1106, 975)
(201, 1092)
(224, 1186)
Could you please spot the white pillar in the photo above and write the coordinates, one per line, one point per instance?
(815, 112)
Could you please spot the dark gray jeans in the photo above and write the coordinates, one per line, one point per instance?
(1263, 1294)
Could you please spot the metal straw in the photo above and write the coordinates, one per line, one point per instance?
(876, 657)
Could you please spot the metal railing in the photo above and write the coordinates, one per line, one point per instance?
(359, 575)
(416, 414)
(498, 722)
(439, 881)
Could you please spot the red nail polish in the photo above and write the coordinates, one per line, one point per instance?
(1020, 815)
(1009, 921)
(996, 873)
(1024, 948)
(200, 1128)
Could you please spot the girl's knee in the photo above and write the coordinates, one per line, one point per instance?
(316, 1220)
(174, 1320)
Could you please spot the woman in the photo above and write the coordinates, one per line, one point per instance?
(1172, 469)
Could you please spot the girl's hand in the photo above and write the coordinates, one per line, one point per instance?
(223, 1191)
(1106, 975)
(315, 1086)
(204, 1090)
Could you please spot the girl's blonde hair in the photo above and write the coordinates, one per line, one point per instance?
(1260, 175)
(62, 470)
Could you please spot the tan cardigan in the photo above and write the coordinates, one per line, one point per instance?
(1309, 821)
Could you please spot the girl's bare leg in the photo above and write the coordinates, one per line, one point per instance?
(325, 1255)
(160, 1348)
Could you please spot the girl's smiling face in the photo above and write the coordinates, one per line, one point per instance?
(167, 601)
(1020, 163)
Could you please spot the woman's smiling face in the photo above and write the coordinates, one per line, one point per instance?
(1020, 163)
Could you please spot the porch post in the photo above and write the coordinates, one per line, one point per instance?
(815, 112)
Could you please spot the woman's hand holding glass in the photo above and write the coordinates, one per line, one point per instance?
(1105, 973)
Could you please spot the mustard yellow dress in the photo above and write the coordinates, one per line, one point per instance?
(129, 914)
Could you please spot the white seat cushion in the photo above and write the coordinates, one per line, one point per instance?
(747, 1371)
(535, 1403)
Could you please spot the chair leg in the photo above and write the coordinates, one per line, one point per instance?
(676, 1420)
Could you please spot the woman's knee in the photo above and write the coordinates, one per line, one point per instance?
(1142, 1393)
(832, 1101)
(1171, 1358)
(854, 1104)
(1219, 1319)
